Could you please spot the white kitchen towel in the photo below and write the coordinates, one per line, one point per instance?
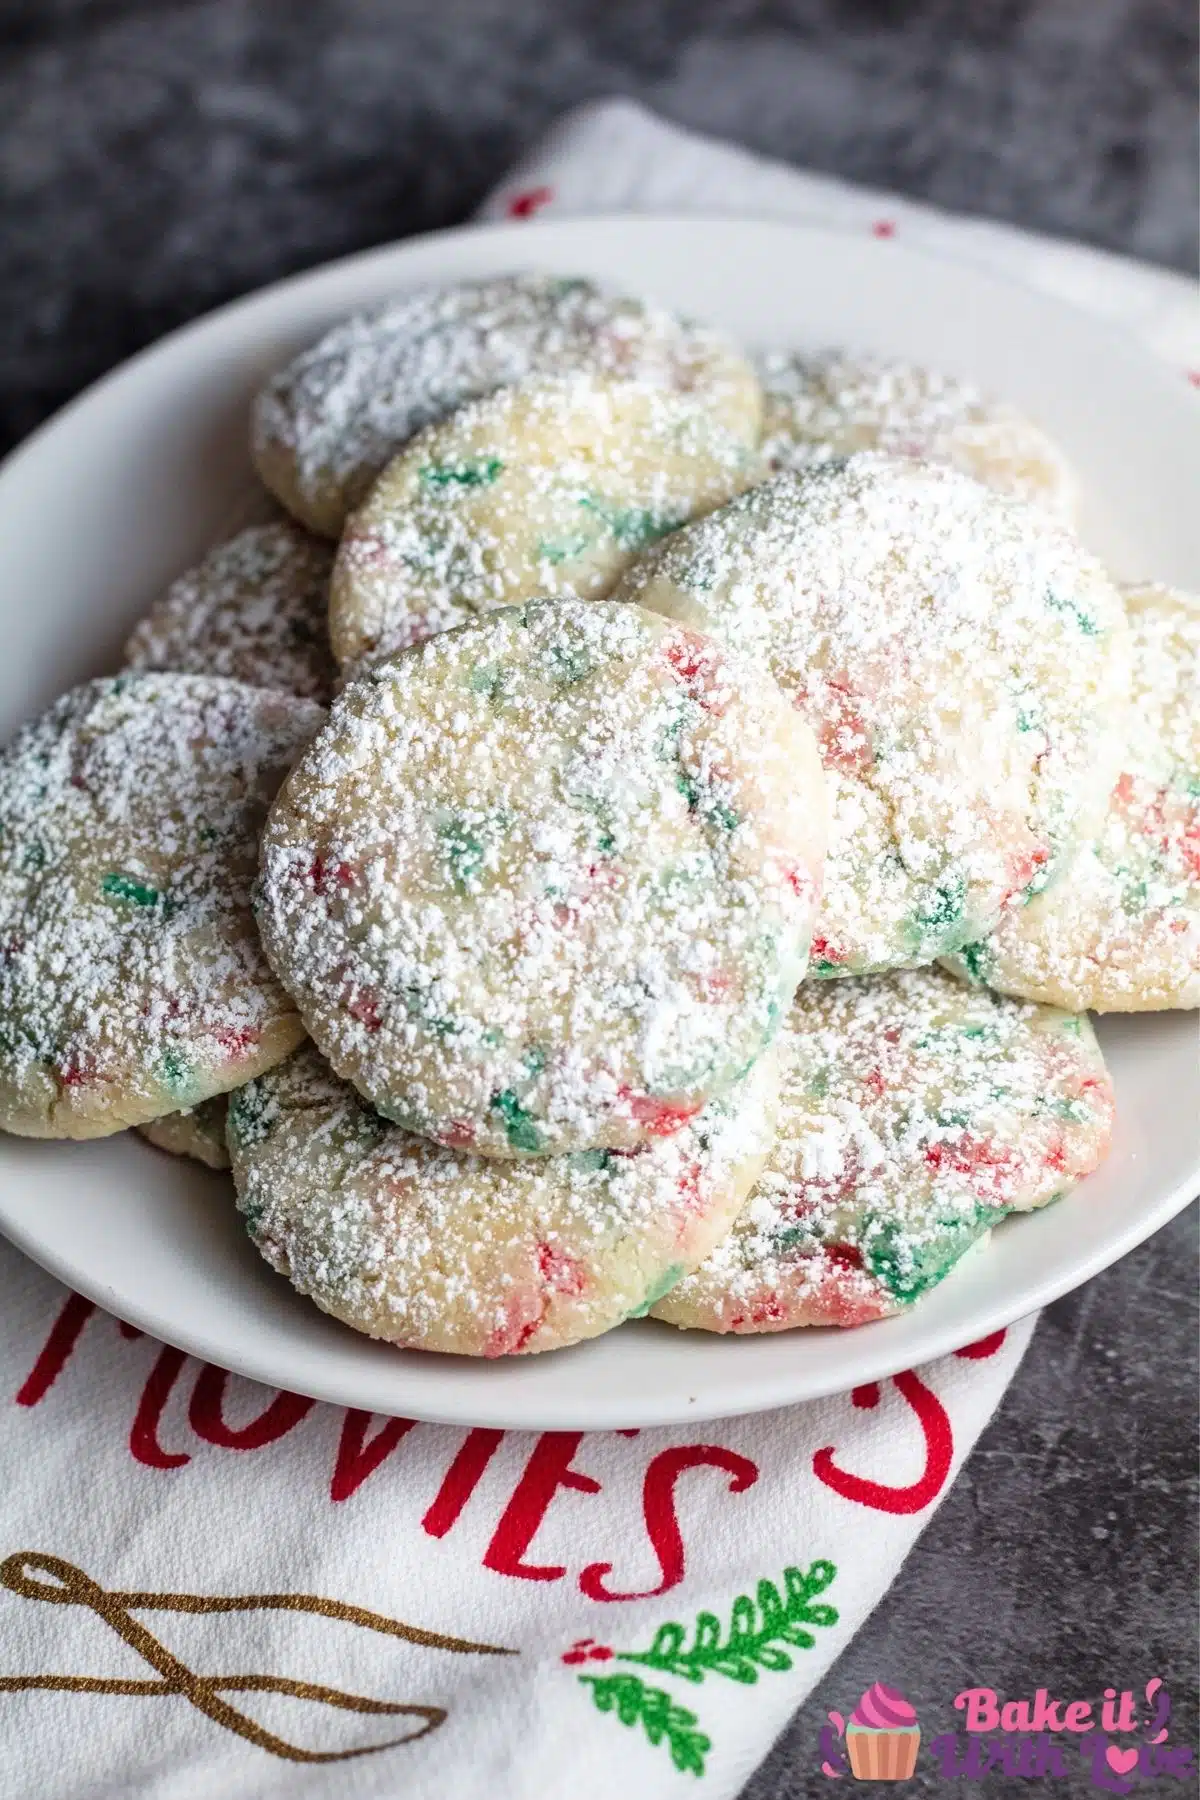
(614, 156)
(210, 1591)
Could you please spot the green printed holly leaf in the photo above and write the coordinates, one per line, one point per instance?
(659, 1716)
(759, 1635)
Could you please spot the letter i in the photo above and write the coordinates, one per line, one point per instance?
(1116, 1716)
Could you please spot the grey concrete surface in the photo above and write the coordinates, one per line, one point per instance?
(160, 156)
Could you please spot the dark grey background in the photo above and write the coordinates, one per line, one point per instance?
(157, 158)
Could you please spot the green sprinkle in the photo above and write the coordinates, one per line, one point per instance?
(1062, 603)
(252, 1213)
(975, 959)
(176, 1072)
(490, 681)
(461, 474)
(569, 665)
(944, 908)
(463, 852)
(592, 1161)
(689, 788)
(519, 1127)
(564, 551)
(821, 965)
(535, 1061)
(723, 815)
(128, 887)
(669, 1279)
(908, 1268)
(634, 527)
(1073, 1111)
(34, 857)
(1073, 1025)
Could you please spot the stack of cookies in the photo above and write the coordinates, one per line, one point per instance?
(640, 831)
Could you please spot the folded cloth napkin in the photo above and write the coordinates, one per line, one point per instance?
(210, 1589)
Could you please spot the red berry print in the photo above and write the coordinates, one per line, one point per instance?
(529, 201)
(1193, 376)
(884, 228)
(587, 1650)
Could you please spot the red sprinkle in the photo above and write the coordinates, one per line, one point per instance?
(560, 1271)
(697, 666)
(660, 1120)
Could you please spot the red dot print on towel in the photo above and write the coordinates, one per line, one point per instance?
(529, 201)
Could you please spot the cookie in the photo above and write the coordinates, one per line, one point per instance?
(546, 883)
(1120, 931)
(819, 408)
(132, 983)
(550, 488)
(960, 659)
(198, 1133)
(255, 609)
(325, 426)
(914, 1115)
(434, 1249)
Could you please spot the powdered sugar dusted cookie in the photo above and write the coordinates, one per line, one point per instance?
(819, 408)
(255, 609)
(437, 1250)
(1120, 930)
(546, 883)
(550, 488)
(325, 426)
(198, 1133)
(914, 1115)
(131, 978)
(960, 659)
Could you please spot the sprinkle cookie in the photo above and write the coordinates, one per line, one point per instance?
(326, 425)
(823, 407)
(960, 659)
(551, 488)
(198, 1133)
(131, 979)
(546, 883)
(255, 609)
(433, 1249)
(914, 1115)
(1120, 932)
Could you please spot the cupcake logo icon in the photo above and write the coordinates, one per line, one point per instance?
(881, 1737)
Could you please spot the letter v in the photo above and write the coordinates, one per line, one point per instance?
(357, 1457)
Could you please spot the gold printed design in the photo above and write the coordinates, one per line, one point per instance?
(70, 1586)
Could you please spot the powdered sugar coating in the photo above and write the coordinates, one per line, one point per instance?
(131, 978)
(824, 406)
(549, 488)
(325, 425)
(914, 1115)
(255, 609)
(960, 659)
(1120, 931)
(433, 1249)
(546, 883)
(197, 1133)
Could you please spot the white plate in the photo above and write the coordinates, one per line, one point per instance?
(126, 486)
